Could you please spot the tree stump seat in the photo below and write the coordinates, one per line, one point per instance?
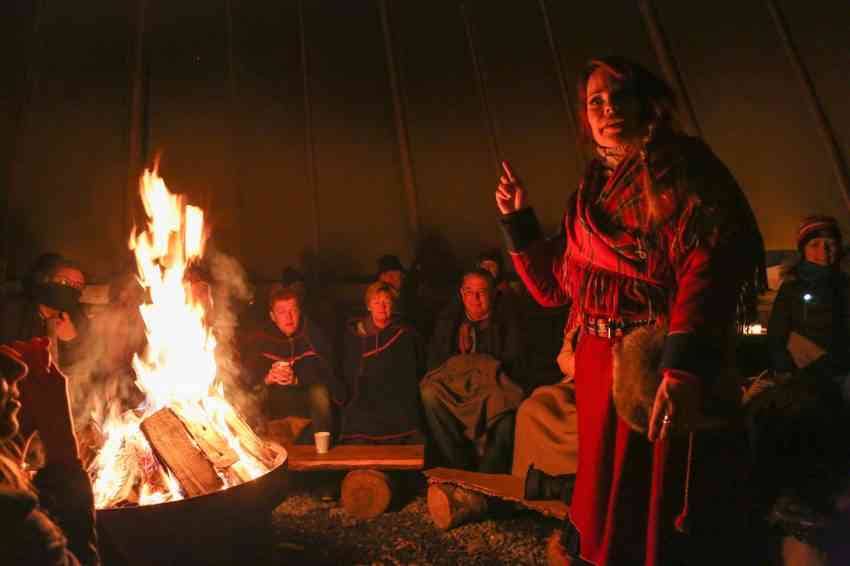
(367, 489)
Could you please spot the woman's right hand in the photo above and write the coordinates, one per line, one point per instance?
(510, 194)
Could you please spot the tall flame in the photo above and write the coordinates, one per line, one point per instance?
(178, 367)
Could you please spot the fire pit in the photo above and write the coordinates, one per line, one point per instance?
(207, 529)
(177, 478)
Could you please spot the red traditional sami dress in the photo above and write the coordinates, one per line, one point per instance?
(690, 272)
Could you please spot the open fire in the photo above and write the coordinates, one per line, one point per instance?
(185, 439)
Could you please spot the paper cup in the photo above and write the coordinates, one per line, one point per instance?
(323, 442)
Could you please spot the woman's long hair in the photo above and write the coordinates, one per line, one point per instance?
(656, 115)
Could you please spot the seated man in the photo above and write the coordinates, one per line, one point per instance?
(468, 395)
(51, 308)
(382, 364)
(290, 358)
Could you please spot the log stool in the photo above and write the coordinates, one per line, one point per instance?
(456, 497)
(366, 491)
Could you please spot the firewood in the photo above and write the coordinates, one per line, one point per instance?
(237, 474)
(365, 494)
(213, 444)
(252, 443)
(173, 445)
(451, 506)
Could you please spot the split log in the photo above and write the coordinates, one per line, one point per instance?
(173, 445)
(365, 494)
(252, 443)
(451, 506)
(209, 440)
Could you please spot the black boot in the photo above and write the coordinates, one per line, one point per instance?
(540, 485)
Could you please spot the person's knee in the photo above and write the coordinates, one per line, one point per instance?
(319, 395)
(429, 396)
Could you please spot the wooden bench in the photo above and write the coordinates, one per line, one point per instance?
(366, 490)
(462, 497)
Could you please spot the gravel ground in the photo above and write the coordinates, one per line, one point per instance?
(306, 531)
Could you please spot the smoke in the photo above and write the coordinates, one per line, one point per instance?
(99, 367)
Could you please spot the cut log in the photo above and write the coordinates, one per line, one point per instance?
(365, 494)
(208, 439)
(173, 445)
(451, 506)
(252, 443)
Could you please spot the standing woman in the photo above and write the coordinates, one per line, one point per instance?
(658, 246)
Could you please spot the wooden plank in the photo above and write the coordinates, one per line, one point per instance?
(174, 447)
(358, 457)
(209, 440)
(502, 486)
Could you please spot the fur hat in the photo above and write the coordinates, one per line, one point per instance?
(817, 226)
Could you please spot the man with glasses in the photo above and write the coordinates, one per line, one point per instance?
(469, 398)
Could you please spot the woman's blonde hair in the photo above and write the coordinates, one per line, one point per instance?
(380, 287)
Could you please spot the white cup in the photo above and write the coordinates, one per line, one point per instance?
(323, 442)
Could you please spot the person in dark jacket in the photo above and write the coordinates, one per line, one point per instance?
(50, 307)
(383, 362)
(49, 522)
(291, 359)
(473, 328)
(800, 414)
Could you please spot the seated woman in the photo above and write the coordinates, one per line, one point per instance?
(799, 414)
(382, 364)
(546, 426)
(291, 361)
(29, 534)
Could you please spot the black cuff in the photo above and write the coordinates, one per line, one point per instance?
(691, 353)
(520, 229)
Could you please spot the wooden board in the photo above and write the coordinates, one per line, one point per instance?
(358, 457)
(174, 447)
(502, 486)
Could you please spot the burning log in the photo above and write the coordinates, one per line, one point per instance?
(252, 443)
(213, 444)
(172, 443)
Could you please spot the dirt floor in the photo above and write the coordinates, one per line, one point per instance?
(306, 530)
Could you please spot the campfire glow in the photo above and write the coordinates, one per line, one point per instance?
(177, 371)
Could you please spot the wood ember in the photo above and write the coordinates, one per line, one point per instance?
(173, 445)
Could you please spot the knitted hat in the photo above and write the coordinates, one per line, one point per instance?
(389, 263)
(817, 226)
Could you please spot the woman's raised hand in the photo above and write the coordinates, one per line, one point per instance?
(510, 194)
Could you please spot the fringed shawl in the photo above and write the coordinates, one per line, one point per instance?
(620, 264)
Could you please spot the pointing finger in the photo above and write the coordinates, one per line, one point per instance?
(508, 172)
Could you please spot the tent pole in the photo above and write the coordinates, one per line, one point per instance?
(309, 138)
(559, 66)
(138, 119)
(401, 128)
(839, 166)
(668, 63)
(480, 82)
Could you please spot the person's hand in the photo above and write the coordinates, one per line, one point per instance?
(45, 405)
(676, 405)
(280, 375)
(510, 194)
(65, 329)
